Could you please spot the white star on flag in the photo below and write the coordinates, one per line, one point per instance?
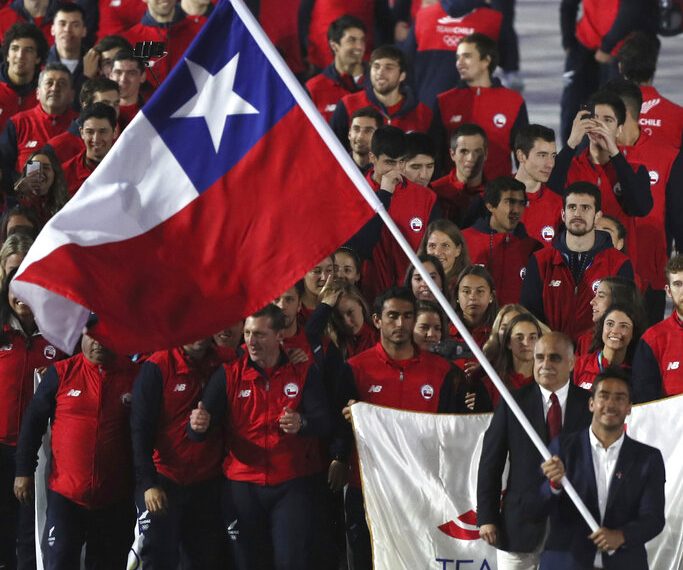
(215, 99)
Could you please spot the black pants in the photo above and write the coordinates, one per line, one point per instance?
(508, 44)
(190, 530)
(269, 527)
(107, 534)
(359, 550)
(17, 534)
(582, 77)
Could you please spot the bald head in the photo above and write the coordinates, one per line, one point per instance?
(553, 360)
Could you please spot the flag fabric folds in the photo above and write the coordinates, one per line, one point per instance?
(218, 196)
(419, 475)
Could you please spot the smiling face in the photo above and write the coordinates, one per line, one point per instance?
(419, 285)
(386, 75)
(427, 332)
(601, 300)
(441, 246)
(610, 404)
(617, 330)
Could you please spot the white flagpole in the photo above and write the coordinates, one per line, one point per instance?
(304, 101)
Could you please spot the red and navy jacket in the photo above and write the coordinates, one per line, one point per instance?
(168, 387)
(16, 13)
(116, 16)
(91, 450)
(459, 202)
(176, 35)
(550, 292)
(624, 188)
(583, 343)
(20, 355)
(542, 216)
(280, 22)
(15, 98)
(588, 366)
(661, 118)
(76, 171)
(67, 144)
(604, 23)
(329, 86)
(505, 255)
(665, 180)
(248, 402)
(498, 110)
(408, 115)
(27, 132)
(657, 363)
(434, 38)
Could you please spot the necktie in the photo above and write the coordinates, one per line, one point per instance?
(554, 418)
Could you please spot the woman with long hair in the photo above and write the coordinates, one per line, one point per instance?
(418, 285)
(444, 241)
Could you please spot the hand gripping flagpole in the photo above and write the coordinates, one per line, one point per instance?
(361, 184)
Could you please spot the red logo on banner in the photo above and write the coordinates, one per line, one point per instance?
(456, 530)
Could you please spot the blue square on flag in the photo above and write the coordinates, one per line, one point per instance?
(219, 101)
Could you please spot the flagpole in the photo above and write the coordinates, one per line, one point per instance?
(324, 130)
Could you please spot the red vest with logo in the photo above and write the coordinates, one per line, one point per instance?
(542, 215)
(660, 118)
(665, 339)
(436, 30)
(12, 103)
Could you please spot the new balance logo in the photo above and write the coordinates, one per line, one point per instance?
(31, 144)
(244, 394)
(649, 105)
(456, 118)
(555, 283)
(673, 365)
(180, 387)
(330, 108)
(73, 393)
(374, 389)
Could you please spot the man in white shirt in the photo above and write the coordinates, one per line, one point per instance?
(620, 480)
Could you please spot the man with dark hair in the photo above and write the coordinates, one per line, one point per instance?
(625, 189)
(499, 240)
(346, 74)
(29, 130)
(99, 59)
(273, 412)
(129, 72)
(630, 509)
(364, 122)
(90, 488)
(39, 13)
(479, 98)
(461, 188)
(395, 373)
(420, 159)
(659, 117)
(560, 281)
(69, 31)
(553, 405)
(387, 92)
(24, 49)
(591, 42)
(98, 125)
(664, 164)
(657, 370)
(535, 152)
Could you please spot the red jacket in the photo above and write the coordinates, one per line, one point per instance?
(328, 87)
(497, 110)
(67, 144)
(116, 16)
(15, 13)
(76, 171)
(455, 198)
(505, 255)
(587, 367)
(542, 216)
(597, 19)
(280, 21)
(661, 118)
(250, 402)
(91, 449)
(167, 389)
(19, 357)
(127, 114)
(14, 99)
(657, 363)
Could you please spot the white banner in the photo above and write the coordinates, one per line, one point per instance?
(419, 474)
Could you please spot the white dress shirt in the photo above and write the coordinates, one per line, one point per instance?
(561, 396)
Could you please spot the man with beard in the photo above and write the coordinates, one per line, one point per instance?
(561, 281)
(364, 122)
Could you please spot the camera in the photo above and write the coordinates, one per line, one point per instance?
(149, 50)
(453, 350)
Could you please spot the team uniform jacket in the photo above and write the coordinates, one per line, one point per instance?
(176, 35)
(329, 86)
(19, 357)
(15, 12)
(456, 199)
(67, 144)
(497, 110)
(117, 16)
(550, 292)
(434, 38)
(91, 451)
(542, 217)
(248, 401)
(660, 118)
(657, 370)
(625, 189)
(27, 132)
(505, 255)
(652, 243)
(409, 114)
(15, 98)
(167, 389)
(127, 114)
(76, 171)
(588, 366)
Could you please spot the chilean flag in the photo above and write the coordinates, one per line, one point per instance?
(219, 195)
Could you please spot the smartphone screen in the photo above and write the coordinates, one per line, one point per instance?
(33, 166)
